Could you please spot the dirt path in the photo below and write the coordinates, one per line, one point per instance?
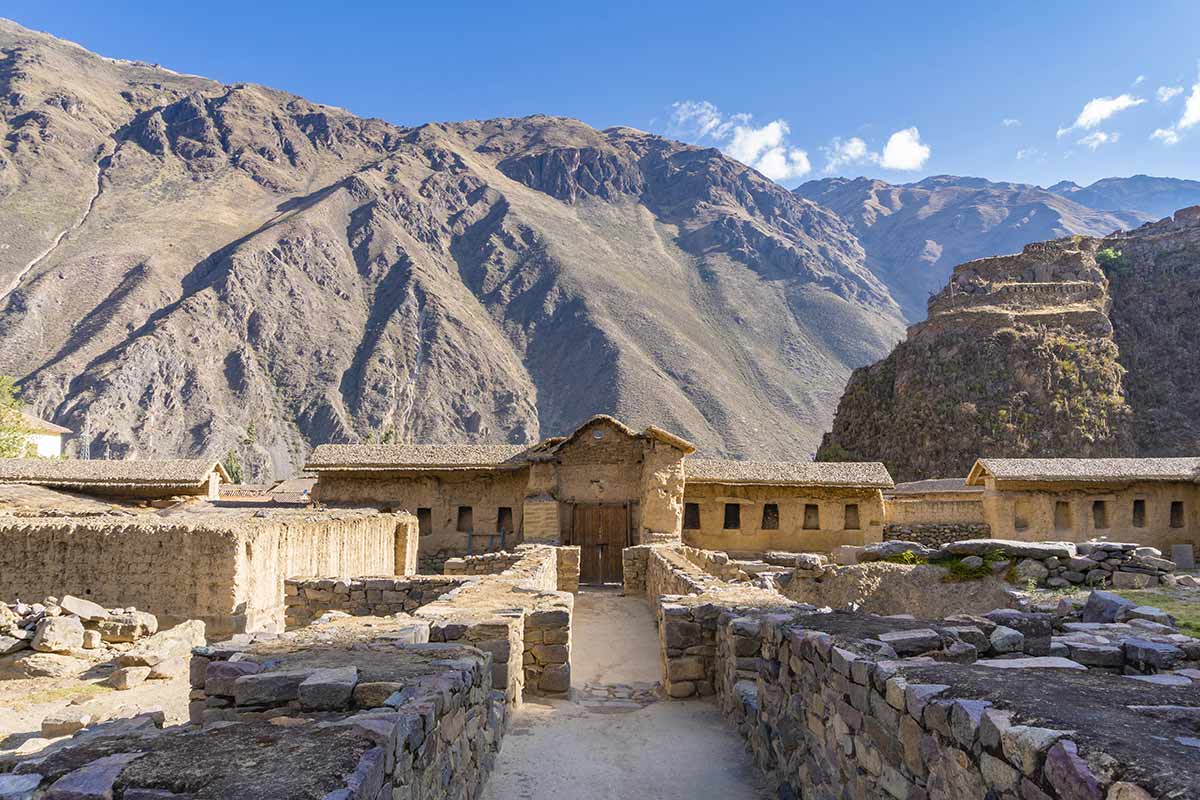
(616, 738)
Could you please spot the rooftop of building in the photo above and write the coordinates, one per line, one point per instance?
(857, 474)
(935, 486)
(39, 425)
(1089, 470)
(78, 473)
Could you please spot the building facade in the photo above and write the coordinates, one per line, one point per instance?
(603, 487)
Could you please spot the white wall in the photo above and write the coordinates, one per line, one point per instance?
(49, 445)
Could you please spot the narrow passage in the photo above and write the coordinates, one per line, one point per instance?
(615, 738)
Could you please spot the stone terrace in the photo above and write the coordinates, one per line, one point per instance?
(350, 709)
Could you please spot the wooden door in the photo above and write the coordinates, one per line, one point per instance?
(602, 532)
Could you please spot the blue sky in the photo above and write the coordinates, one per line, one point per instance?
(801, 90)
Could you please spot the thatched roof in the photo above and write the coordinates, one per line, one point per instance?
(408, 457)
(859, 474)
(39, 425)
(75, 473)
(935, 486)
(1085, 470)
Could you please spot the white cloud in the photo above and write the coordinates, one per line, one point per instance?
(1167, 136)
(905, 151)
(1099, 109)
(1191, 109)
(1026, 153)
(1166, 94)
(1093, 141)
(766, 148)
(844, 152)
(1009, 122)
(1140, 80)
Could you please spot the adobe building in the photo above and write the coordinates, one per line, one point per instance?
(604, 487)
(1151, 501)
(123, 479)
(45, 438)
(751, 507)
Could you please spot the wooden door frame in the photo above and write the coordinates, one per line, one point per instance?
(627, 505)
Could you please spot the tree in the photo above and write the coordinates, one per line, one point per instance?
(14, 431)
(233, 466)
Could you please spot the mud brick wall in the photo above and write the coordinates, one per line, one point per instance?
(309, 598)
(229, 574)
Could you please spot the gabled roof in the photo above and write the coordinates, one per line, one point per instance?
(1089, 470)
(857, 474)
(406, 457)
(182, 472)
(551, 446)
(39, 425)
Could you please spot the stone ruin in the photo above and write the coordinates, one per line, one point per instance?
(403, 686)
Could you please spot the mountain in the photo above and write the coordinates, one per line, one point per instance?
(1156, 197)
(915, 233)
(1075, 347)
(193, 268)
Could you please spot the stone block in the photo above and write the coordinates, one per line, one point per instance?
(912, 642)
(1131, 580)
(65, 723)
(268, 688)
(219, 676)
(1103, 606)
(128, 677)
(19, 787)
(86, 610)
(328, 689)
(688, 668)
(58, 635)
(555, 678)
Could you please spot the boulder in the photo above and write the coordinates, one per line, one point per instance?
(1031, 569)
(1150, 613)
(86, 610)
(1011, 549)
(58, 635)
(1131, 580)
(912, 642)
(269, 688)
(1147, 655)
(91, 639)
(1036, 628)
(64, 723)
(128, 626)
(1006, 640)
(1103, 606)
(128, 677)
(884, 550)
(172, 643)
(19, 787)
(12, 644)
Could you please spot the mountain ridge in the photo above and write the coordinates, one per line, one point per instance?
(257, 273)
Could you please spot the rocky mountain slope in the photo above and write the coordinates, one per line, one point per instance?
(1075, 347)
(190, 267)
(1156, 197)
(914, 234)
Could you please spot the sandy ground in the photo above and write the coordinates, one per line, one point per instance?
(25, 703)
(615, 738)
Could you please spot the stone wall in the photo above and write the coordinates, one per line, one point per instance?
(309, 598)
(568, 568)
(482, 564)
(520, 617)
(228, 572)
(715, 562)
(429, 720)
(829, 711)
(935, 534)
